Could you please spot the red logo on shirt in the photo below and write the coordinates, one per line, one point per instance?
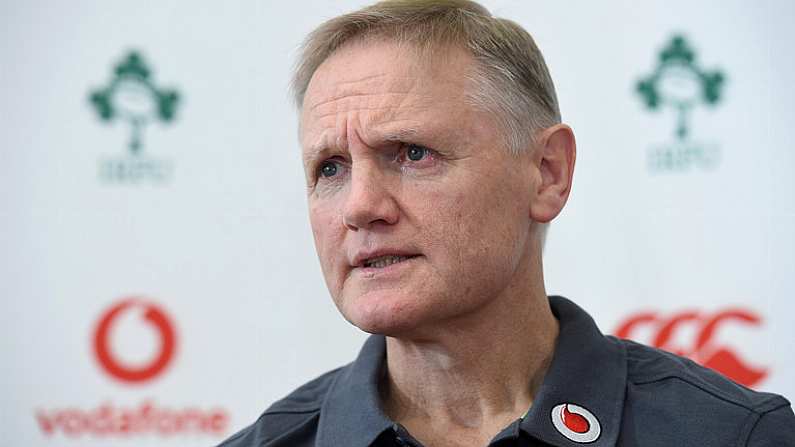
(576, 423)
(154, 316)
(704, 349)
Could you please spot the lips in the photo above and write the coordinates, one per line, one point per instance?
(381, 259)
(384, 261)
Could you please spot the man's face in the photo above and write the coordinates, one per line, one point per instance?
(419, 213)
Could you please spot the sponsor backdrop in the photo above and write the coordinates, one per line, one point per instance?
(159, 282)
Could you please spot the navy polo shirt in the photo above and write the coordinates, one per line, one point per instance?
(599, 391)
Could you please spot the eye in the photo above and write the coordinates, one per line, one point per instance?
(328, 168)
(416, 152)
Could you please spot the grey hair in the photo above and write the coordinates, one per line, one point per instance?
(511, 80)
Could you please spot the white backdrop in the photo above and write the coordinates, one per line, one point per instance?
(210, 233)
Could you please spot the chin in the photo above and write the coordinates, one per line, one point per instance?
(382, 312)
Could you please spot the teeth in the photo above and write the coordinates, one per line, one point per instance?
(384, 261)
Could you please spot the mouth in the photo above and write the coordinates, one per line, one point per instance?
(381, 262)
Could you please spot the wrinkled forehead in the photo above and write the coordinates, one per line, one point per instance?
(383, 82)
(375, 55)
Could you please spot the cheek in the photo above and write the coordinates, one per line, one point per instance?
(326, 229)
(476, 231)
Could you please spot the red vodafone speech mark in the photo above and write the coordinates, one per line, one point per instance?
(576, 422)
(703, 351)
(153, 315)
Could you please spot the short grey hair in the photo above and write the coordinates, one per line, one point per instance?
(511, 80)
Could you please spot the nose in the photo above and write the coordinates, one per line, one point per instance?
(369, 201)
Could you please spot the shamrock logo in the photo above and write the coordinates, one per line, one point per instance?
(679, 82)
(132, 96)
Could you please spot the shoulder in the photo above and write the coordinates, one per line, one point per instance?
(294, 416)
(664, 386)
(649, 366)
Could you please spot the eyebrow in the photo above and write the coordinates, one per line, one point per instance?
(321, 147)
(399, 135)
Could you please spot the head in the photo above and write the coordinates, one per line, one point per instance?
(434, 158)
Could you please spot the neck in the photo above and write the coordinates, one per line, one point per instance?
(477, 374)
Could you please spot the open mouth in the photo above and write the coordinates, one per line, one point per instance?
(385, 261)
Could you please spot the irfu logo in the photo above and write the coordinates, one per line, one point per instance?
(680, 84)
(132, 97)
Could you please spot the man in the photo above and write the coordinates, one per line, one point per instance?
(434, 158)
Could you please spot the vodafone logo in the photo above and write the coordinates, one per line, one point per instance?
(151, 315)
(702, 329)
(121, 330)
(576, 423)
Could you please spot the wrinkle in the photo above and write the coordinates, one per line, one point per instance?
(369, 109)
(357, 95)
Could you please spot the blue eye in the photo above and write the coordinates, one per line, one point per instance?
(416, 153)
(328, 169)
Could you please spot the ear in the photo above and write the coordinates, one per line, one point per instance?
(553, 160)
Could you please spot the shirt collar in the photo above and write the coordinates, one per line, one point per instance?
(351, 414)
(588, 370)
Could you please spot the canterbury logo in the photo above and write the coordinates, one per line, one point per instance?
(704, 349)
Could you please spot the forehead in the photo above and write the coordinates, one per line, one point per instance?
(383, 87)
